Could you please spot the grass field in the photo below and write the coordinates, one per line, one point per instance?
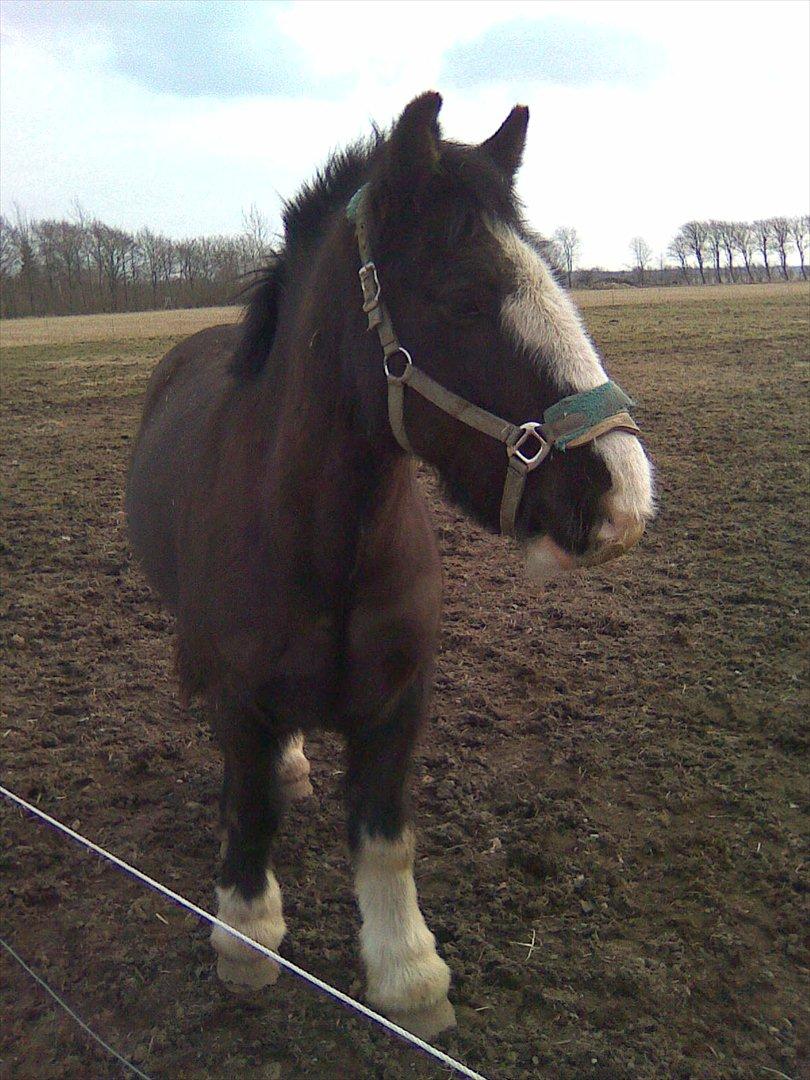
(616, 770)
(143, 325)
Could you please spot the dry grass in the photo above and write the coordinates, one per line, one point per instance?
(126, 326)
(143, 325)
(688, 294)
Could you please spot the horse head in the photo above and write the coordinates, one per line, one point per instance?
(464, 298)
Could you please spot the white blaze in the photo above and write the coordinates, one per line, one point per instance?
(541, 318)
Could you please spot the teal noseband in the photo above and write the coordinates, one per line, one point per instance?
(573, 420)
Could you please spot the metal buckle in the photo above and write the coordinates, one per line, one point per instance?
(370, 284)
(405, 370)
(531, 429)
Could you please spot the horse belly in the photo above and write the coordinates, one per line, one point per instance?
(183, 393)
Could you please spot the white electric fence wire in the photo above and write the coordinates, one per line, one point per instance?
(60, 1001)
(206, 916)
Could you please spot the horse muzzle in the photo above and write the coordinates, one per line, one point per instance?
(545, 559)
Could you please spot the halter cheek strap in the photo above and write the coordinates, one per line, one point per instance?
(570, 422)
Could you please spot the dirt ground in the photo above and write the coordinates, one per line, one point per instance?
(612, 799)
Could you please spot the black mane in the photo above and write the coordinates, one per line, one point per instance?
(305, 220)
(306, 215)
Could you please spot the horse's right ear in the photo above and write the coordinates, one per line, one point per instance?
(414, 144)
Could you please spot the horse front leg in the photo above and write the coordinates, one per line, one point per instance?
(407, 980)
(248, 894)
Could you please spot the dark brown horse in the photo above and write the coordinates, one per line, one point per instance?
(275, 510)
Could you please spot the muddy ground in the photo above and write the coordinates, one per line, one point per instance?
(615, 771)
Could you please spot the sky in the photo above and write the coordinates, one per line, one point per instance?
(181, 115)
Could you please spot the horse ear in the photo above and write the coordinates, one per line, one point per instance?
(414, 144)
(506, 146)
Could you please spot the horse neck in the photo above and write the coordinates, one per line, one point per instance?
(337, 455)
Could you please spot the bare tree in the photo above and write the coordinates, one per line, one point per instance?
(29, 266)
(679, 250)
(642, 256)
(714, 242)
(744, 242)
(9, 267)
(780, 229)
(45, 234)
(257, 238)
(9, 260)
(168, 264)
(150, 245)
(763, 235)
(188, 260)
(695, 234)
(800, 232)
(82, 264)
(567, 241)
(71, 244)
(726, 232)
(110, 249)
(85, 265)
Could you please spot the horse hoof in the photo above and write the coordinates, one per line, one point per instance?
(242, 978)
(426, 1022)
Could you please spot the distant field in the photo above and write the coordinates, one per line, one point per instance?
(612, 799)
(126, 326)
(687, 294)
(134, 325)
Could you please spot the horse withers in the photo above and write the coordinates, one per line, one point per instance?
(273, 505)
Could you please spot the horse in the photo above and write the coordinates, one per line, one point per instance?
(273, 503)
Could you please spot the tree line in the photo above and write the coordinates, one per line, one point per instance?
(761, 249)
(77, 266)
(704, 252)
(82, 266)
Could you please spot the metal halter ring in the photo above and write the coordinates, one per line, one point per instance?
(531, 429)
(405, 370)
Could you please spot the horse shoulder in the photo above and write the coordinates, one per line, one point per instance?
(393, 622)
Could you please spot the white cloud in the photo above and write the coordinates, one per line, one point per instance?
(720, 130)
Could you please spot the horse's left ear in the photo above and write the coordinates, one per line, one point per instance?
(414, 144)
(506, 146)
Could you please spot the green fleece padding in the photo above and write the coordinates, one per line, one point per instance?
(591, 406)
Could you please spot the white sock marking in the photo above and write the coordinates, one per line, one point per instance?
(293, 768)
(403, 967)
(261, 919)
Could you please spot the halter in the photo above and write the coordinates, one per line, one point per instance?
(570, 422)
